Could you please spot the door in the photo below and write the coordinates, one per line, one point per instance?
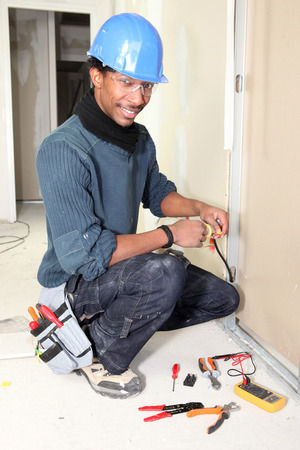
(29, 45)
(269, 261)
(49, 75)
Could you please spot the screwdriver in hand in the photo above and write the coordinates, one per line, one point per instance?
(175, 371)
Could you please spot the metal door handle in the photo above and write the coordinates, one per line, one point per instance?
(238, 83)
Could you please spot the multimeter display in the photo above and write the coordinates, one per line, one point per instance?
(258, 391)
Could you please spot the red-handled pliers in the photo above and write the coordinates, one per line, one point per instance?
(170, 410)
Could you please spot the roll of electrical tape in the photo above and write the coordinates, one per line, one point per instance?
(210, 231)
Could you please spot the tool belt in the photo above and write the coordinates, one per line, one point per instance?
(64, 347)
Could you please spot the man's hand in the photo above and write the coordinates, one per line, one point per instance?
(189, 233)
(186, 233)
(217, 218)
(175, 205)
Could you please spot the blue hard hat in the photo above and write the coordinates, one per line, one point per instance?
(129, 44)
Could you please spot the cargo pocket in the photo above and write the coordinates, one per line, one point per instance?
(58, 360)
(72, 338)
(126, 327)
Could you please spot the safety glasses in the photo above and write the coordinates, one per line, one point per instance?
(128, 85)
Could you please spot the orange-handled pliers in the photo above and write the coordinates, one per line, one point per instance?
(211, 373)
(222, 411)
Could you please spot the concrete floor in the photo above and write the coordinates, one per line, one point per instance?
(41, 411)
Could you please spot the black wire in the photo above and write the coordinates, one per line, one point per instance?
(19, 239)
(239, 372)
(231, 279)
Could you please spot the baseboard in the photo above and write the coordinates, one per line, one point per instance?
(279, 367)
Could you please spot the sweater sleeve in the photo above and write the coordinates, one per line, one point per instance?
(157, 185)
(81, 244)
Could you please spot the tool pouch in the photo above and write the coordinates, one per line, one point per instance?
(66, 348)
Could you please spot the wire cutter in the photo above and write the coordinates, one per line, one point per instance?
(222, 411)
(170, 410)
(211, 374)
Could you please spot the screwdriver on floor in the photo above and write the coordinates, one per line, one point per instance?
(175, 371)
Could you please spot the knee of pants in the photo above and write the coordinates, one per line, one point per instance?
(148, 296)
(170, 273)
(163, 278)
(233, 298)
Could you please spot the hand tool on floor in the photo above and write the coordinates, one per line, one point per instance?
(260, 396)
(33, 313)
(190, 380)
(50, 316)
(222, 411)
(211, 374)
(175, 370)
(170, 410)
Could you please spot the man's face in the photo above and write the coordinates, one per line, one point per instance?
(114, 95)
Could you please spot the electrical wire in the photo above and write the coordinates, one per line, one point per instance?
(231, 279)
(237, 359)
(16, 239)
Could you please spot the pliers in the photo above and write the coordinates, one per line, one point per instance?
(222, 411)
(211, 374)
(170, 410)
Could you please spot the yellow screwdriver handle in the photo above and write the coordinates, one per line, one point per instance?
(33, 314)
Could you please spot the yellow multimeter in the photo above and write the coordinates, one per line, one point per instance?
(260, 396)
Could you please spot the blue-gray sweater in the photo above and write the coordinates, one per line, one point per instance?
(92, 191)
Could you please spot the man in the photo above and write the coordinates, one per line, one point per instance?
(94, 171)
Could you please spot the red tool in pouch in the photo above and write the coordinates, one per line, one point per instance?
(50, 315)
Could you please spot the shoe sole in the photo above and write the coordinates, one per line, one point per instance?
(113, 390)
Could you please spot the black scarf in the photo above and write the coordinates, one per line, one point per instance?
(94, 120)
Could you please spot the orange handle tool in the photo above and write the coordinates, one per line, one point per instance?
(217, 410)
(211, 363)
(32, 312)
(196, 412)
(202, 367)
(50, 316)
(223, 415)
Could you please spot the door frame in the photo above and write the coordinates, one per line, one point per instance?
(237, 90)
(99, 11)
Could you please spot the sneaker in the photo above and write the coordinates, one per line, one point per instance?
(125, 385)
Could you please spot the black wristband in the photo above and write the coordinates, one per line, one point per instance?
(169, 236)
